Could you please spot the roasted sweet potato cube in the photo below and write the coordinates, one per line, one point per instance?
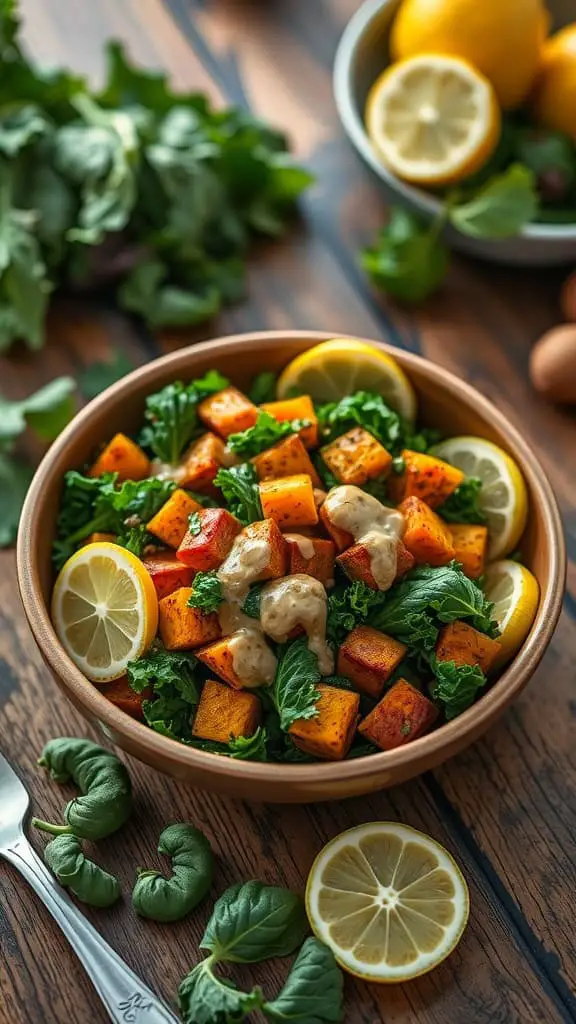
(201, 463)
(171, 521)
(228, 412)
(426, 536)
(470, 543)
(168, 574)
(285, 459)
(369, 657)
(182, 628)
(313, 556)
(329, 735)
(465, 645)
(341, 538)
(124, 457)
(208, 548)
(219, 658)
(425, 477)
(405, 560)
(266, 536)
(357, 565)
(242, 659)
(223, 713)
(401, 716)
(356, 457)
(301, 408)
(289, 501)
(100, 538)
(123, 696)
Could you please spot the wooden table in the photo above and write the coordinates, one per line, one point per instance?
(506, 808)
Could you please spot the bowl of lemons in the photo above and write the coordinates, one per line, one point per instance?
(466, 113)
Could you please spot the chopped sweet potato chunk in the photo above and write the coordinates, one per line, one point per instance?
(285, 459)
(342, 538)
(228, 412)
(201, 462)
(470, 543)
(369, 657)
(357, 565)
(124, 457)
(426, 536)
(465, 645)
(401, 716)
(208, 548)
(356, 457)
(301, 408)
(182, 628)
(123, 696)
(266, 536)
(168, 574)
(313, 556)
(405, 560)
(289, 501)
(425, 477)
(100, 538)
(171, 521)
(223, 713)
(329, 735)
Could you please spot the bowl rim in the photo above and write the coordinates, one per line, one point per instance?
(97, 706)
(359, 26)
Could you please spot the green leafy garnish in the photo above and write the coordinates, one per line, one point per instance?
(263, 387)
(266, 432)
(349, 605)
(463, 505)
(171, 415)
(455, 687)
(93, 380)
(205, 997)
(254, 922)
(313, 991)
(241, 748)
(501, 208)
(207, 593)
(407, 260)
(251, 606)
(194, 524)
(364, 409)
(239, 486)
(294, 690)
(171, 677)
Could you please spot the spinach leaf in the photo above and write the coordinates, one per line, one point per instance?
(251, 606)
(263, 387)
(314, 989)
(207, 591)
(266, 432)
(241, 748)
(294, 690)
(455, 687)
(206, 998)
(463, 505)
(46, 412)
(501, 208)
(87, 880)
(170, 899)
(239, 486)
(96, 377)
(252, 922)
(408, 260)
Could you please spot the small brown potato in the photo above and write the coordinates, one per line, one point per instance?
(568, 298)
(553, 364)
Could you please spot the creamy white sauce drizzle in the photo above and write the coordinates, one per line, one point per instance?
(248, 556)
(254, 663)
(297, 600)
(305, 545)
(371, 524)
(166, 471)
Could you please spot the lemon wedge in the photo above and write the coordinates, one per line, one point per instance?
(104, 610)
(389, 901)
(433, 119)
(515, 593)
(503, 497)
(341, 366)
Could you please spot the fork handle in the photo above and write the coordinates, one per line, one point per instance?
(126, 998)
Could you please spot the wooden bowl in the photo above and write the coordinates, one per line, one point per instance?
(445, 402)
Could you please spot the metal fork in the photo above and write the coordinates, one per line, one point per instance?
(126, 998)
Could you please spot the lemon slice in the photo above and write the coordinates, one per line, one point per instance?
(433, 119)
(104, 609)
(515, 593)
(341, 366)
(389, 901)
(503, 497)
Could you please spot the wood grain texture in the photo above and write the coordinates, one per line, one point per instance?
(506, 807)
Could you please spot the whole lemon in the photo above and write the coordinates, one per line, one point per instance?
(554, 96)
(502, 38)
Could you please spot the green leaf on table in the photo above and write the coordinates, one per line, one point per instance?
(314, 989)
(455, 687)
(251, 922)
(239, 486)
(46, 412)
(501, 208)
(267, 431)
(96, 377)
(293, 691)
(463, 505)
(205, 998)
(408, 260)
(207, 593)
(15, 477)
(263, 387)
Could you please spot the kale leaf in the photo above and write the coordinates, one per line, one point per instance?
(455, 687)
(207, 592)
(239, 486)
(171, 677)
(463, 505)
(266, 432)
(263, 387)
(171, 415)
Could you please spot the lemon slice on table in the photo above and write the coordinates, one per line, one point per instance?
(341, 366)
(104, 610)
(433, 119)
(515, 593)
(389, 901)
(503, 497)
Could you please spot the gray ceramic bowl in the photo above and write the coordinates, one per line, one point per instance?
(362, 54)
